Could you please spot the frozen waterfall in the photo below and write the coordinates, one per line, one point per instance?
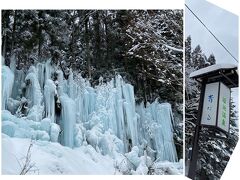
(72, 112)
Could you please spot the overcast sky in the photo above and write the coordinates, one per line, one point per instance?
(222, 23)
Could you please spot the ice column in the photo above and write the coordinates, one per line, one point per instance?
(7, 85)
(49, 97)
(68, 120)
(19, 77)
(156, 124)
(34, 91)
(130, 114)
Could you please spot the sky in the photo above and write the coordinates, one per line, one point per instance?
(222, 23)
(224, 26)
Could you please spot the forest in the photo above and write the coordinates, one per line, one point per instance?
(145, 47)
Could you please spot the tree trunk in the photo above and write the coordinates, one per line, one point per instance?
(97, 44)
(87, 46)
(5, 19)
(13, 32)
(39, 40)
(144, 86)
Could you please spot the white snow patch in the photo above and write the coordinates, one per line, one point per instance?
(212, 68)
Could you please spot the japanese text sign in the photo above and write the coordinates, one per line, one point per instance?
(216, 106)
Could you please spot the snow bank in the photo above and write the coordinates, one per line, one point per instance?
(53, 158)
(168, 168)
(26, 128)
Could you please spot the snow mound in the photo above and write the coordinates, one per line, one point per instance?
(52, 158)
(26, 128)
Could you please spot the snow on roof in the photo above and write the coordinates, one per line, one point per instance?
(212, 68)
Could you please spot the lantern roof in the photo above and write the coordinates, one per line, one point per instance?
(226, 73)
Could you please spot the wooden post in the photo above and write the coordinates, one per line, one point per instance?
(195, 146)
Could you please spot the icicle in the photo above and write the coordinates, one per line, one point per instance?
(33, 91)
(13, 63)
(106, 116)
(34, 95)
(130, 114)
(156, 122)
(3, 60)
(7, 85)
(61, 83)
(49, 97)
(48, 70)
(68, 120)
(19, 84)
(41, 74)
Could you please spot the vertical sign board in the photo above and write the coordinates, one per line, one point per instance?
(216, 107)
(224, 108)
(210, 102)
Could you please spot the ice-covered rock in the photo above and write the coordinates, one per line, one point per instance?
(24, 128)
(110, 144)
(93, 136)
(133, 156)
(36, 113)
(54, 132)
(79, 135)
(46, 125)
(12, 105)
(9, 128)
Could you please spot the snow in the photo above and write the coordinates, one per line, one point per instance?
(173, 48)
(54, 132)
(35, 113)
(46, 125)
(212, 68)
(133, 156)
(26, 128)
(12, 105)
(53, 158)
(165, 167)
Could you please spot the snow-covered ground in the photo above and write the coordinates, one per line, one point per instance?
(53, 158)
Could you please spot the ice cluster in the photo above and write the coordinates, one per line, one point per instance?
(43, 105)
